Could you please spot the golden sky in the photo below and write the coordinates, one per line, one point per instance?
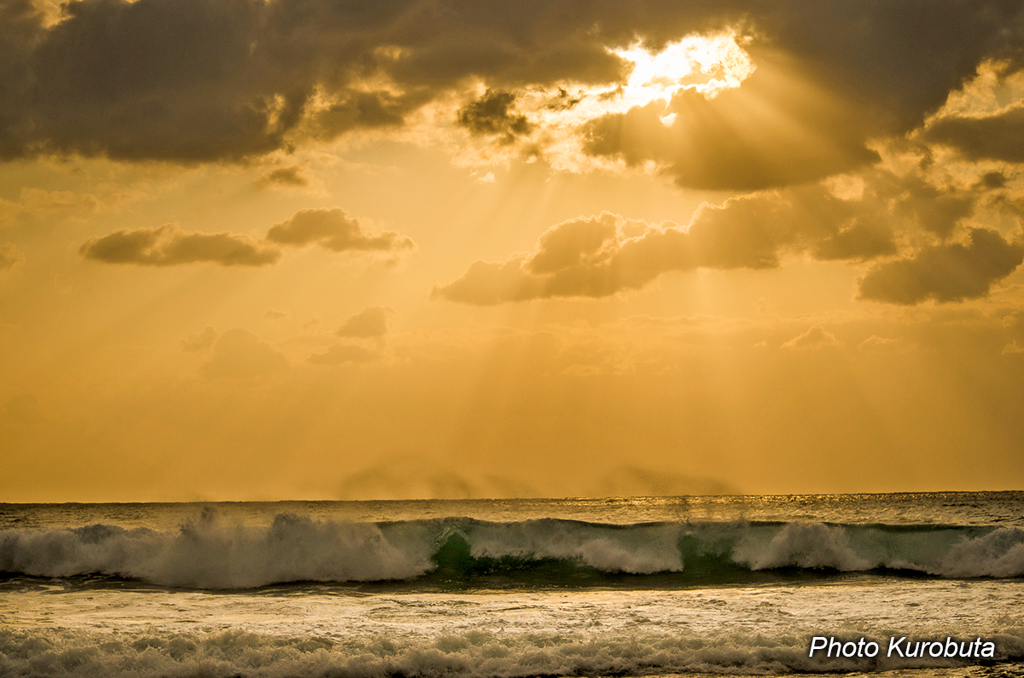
(272, 249)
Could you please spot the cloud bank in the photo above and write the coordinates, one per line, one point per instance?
(193, 81)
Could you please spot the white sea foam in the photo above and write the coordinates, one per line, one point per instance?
(206, 554)
(471, 654)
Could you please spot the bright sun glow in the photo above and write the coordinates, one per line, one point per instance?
(707, 64)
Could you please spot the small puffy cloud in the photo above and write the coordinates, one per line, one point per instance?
(492, 114)
(344, 353)
(289, 177)
(199, 342)
(275, 315)
(995, 137)
(814, 338)
(875, 342)
(1013, 348)
(169, 246)
(370, 323)
(1013, 322)
(239, 354)
(336, 231)
(9, 255)
(945, 273)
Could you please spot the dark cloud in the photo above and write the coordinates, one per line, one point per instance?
(9, 255)
(831, 76)
(368, 110)
(239, 354)
(997, 137)
(334, 230)
(283, 176)
(158, 79)
(945, 273)
(772, 131)
(865, 238)
(992, 181)
(225, 80)
(169, 246)
(492, 114)
(370, 323)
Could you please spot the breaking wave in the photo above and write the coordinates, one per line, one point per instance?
(206, 554)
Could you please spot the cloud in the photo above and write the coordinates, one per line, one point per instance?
(167, 245)
(995, 137)
(9, 255)
(227, 80)
(358, 109)
(492, 114)
(945, 273)
(772, 131)
(275, 315)
(1013, 349)
(202, 341)
(875, 342)
(334, 230)
(290, 176)
(239, 354)
(814, 338)
(602, 255)
(863, 239)
(370, 323)
(936, 210)
(364, 334)
(344, 353)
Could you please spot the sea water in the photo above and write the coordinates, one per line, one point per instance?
(506, 588)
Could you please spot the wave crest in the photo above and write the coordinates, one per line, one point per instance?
(205, 554)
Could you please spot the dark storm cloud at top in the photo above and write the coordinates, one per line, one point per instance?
(225, 80)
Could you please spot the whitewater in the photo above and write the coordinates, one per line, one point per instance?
(504, 588)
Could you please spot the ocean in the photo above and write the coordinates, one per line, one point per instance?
(508, 588)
